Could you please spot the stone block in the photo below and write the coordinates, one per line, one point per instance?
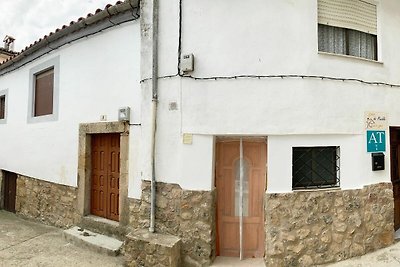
(159, 249)
(184, 213)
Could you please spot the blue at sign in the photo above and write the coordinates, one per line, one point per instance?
(376, 141)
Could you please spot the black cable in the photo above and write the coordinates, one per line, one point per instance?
(282, 76)
(161, 77)
(215, 78)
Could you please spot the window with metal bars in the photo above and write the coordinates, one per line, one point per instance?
(315, 167)
(2, 107)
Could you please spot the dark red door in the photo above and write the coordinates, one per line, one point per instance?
(395, 172)
(10, 190)
(105, 176)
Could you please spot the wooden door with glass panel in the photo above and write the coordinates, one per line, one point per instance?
(228, 194)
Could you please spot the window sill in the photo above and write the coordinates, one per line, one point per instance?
(350, 57)
(43, 118)
(336, 188)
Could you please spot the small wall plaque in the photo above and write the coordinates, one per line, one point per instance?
(187, 138)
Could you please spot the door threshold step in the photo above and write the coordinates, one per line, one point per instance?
(103, 226)
(102, 220)
(96, 242)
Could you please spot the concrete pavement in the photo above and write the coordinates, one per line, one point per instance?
(25, 243)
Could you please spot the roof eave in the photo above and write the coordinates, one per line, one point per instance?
(108, 12)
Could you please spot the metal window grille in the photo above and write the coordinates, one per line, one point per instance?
(315, 167)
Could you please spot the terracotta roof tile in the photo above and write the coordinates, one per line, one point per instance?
(8, 52)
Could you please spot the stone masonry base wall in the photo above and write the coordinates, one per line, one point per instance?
(316, 227)
(50, 203)
(143, 248)
(189, 215)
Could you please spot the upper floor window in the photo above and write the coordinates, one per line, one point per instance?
(348, 27)
(44, 91)
(2, 107)
(44, 87)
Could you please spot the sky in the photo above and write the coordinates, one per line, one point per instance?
(29, 20)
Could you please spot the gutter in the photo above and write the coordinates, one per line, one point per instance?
(154, 114)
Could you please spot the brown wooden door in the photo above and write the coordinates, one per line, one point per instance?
(10, 190)
(105, 175)
(228, 190)
(395, 172)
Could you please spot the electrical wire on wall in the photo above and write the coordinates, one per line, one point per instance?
(249, 76)
(281, 76)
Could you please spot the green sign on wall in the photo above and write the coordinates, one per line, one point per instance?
(376, 141)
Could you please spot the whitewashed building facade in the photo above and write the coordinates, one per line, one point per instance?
(261, 144)
(297, 80)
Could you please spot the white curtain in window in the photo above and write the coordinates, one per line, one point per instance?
(361, 44)
(332, 39)
(346, 42)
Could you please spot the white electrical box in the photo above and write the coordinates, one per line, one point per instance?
(187, 63)
(124, 114)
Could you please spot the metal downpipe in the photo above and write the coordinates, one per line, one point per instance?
(154, 115)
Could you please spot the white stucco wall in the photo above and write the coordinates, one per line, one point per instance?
(101, 73)
(269, 38)
(355, 163)
(98, 74)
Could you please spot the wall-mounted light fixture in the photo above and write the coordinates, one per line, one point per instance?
(124, 114)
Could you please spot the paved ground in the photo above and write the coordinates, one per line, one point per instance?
(235, 262)
(24, 243)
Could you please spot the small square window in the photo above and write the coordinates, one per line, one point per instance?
(2, 107)
(44, 90)
(315, 167)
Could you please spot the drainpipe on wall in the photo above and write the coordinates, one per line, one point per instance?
(154, 115)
